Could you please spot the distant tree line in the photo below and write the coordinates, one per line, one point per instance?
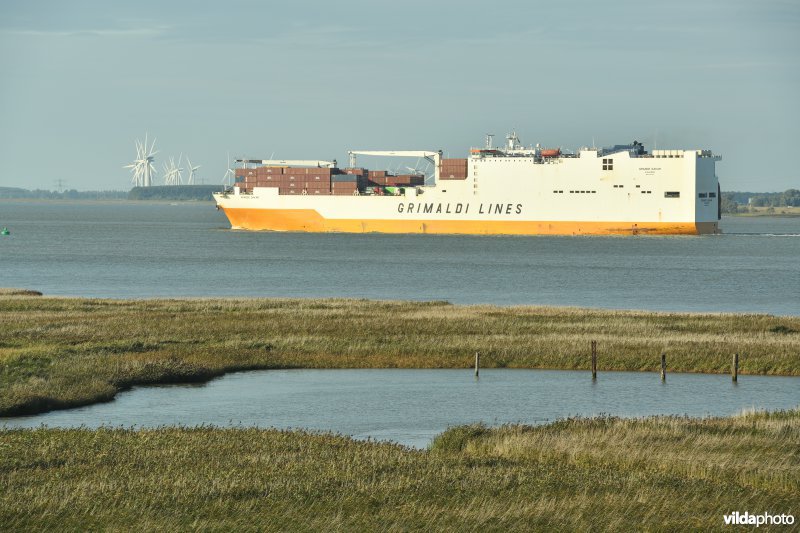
(71, 194)
(166, 192)
(174, 192)
(737, 202)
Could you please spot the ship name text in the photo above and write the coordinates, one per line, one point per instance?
(458, 208)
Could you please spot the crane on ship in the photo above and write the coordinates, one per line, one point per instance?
(289, 162)
(433, 157)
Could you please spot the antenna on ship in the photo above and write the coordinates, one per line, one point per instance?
(489, 138)
(192, 171)
(142, 167)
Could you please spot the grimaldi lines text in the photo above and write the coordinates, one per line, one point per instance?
(511, 190)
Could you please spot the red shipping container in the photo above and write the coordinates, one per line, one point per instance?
(355, 171)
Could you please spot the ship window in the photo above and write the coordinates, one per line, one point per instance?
(638, 186)
(703, 195)
(672, 194)
(712, 195)
(608, 164)
(648, 192)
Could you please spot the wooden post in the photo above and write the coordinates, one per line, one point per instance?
(663, 367)
(594, 359)
(735, 368)
(477, 363)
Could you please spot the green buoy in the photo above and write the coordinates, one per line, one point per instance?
(5, 231)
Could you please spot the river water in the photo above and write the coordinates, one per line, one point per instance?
(412, 406)
(139, 249)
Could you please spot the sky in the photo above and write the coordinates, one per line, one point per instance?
(81, 80)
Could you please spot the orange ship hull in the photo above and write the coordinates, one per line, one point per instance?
(310, 220)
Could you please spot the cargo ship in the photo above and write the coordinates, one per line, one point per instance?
(504, 190)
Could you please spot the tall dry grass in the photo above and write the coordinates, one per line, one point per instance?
(61, 352)
(602, 474)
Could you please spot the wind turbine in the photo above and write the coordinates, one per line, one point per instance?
(192, 171)
(423, 171)
(227, 179)
(169, 171)
(173, 172)
(142, 167)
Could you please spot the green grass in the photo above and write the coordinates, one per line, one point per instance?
(62, 352)
(610, 474)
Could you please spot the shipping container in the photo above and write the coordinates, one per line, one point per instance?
(296, 171)
(355, 171)
(316, 186)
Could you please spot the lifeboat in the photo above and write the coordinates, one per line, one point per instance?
(550, 152)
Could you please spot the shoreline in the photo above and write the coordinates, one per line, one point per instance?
(58, 353)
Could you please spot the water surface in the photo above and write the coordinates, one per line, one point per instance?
(412, 406)
(140, 249)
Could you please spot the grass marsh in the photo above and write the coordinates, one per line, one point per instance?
(606, 474)
(64, 352)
